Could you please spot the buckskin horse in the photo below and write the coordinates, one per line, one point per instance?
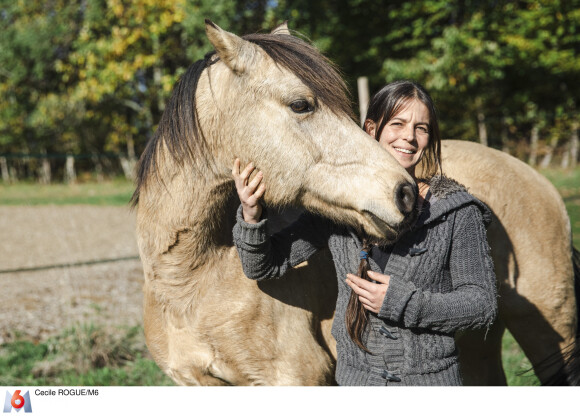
(273, 99)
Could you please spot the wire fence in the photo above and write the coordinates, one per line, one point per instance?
(68, 265)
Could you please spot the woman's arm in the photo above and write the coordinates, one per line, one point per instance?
(473, 301)
(265, 257)
(262, 256)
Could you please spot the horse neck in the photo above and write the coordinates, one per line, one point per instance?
(209, 211)
(189, 215)
(215, 207)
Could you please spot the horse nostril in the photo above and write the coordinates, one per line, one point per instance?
(405, 198)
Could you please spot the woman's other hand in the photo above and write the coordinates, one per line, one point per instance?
(371, 295)
(249, 192)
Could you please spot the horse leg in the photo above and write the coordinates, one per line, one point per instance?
(155, 330)
(542, 335)
(536, 293)
(172, 346)
(541, 313)
(480, 356)
(545, 323)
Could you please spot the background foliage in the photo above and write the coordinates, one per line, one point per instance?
(90, 78)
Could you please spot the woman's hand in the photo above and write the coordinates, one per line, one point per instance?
(371, 295)
(249, 193)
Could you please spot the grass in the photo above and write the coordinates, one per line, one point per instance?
(515, 364)
(97, 356)
(88, 355)
(114, 192)
(85, 355)
(568, 184)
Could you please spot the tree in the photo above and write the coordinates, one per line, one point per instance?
(90, 77)
(35, 35)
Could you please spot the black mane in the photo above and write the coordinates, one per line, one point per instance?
(178, 128)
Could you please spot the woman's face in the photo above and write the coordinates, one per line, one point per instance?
(406, 135)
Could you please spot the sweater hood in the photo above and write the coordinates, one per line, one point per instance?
(448, 195)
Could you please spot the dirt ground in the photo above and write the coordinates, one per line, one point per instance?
(45, 287)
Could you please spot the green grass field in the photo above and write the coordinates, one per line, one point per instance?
(84, 355)
(116, 192)
(117, 356)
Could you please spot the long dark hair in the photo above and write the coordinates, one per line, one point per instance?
(356, 315)
(385, 105)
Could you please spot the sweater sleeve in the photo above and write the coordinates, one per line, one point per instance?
(473, 301)
(266, 257)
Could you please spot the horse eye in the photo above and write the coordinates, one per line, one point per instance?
(301, 106)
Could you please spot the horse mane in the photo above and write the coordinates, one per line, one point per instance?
(179, 130)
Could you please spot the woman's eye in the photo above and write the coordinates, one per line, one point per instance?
(423, 129)
(301, 106)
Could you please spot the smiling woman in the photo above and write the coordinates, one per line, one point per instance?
(396, 321)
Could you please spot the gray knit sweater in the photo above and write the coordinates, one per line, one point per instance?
(442, 281)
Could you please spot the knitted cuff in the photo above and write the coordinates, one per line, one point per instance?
(398, 295)
(253, 234)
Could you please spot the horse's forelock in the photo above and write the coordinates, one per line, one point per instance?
(312, 68)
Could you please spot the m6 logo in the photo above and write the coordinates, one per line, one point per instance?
(17, 402)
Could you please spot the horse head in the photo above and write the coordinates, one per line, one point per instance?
(285, 109)
(274, 100)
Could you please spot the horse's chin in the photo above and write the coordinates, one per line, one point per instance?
(380, 231)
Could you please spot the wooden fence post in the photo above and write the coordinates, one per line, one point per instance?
(4, 169)
(363, 98)
(70, 175)
(44, 170)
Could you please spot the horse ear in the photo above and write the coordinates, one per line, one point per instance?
(235, 52)
(281, 29)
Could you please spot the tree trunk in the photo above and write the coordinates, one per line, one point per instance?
(70, 175)
(128, 163)
(504, 135)
(128, 168)
(534, 139)
(157, 74)
(4, 169)
(547, 159)
(13, 173)
(574, 145)
(481, 127)
(565, 160)
(45, 175)
(98, 167)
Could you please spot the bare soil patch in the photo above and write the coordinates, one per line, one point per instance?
(64, 265)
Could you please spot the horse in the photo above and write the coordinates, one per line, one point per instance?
(537, 268)
(275, 100)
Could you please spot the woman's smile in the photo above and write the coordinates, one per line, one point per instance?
(407, 151)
